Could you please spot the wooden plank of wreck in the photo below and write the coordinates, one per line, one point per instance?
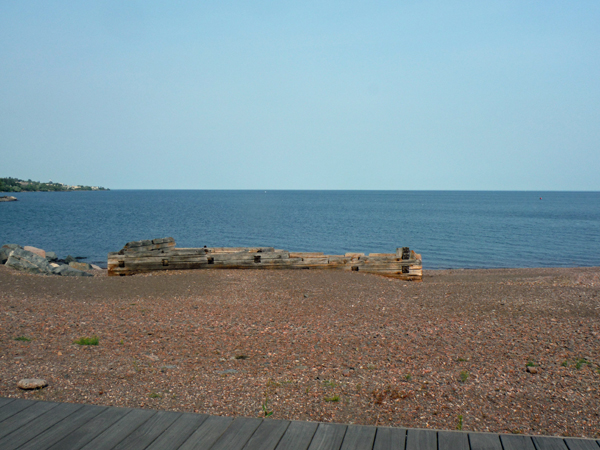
(298, 436)
(267, 435)
(453, 440)
(42, 423)
(329, 436)
(24, 416)
(306, 254)
(208, 433)
(390, 439)
(359, 437)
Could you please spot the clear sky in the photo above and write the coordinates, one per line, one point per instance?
(490, 95)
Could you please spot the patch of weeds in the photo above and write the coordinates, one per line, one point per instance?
(379, 395)
(408, 377)
(464, 376)
(121, 342)
(335, 398)
(530, 364)
(565, 363)
(461, 359)
(155, 395)
(307, 390)
(265, 407)
(272, 383)
(371, 366)
(580, 362)
(22, 339)
(241, 357)
(460, 422)
(87, 341)
(329, 383)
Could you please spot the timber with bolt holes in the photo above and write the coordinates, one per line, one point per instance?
(161, 254)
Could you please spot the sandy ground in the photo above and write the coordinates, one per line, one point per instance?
(317, 345)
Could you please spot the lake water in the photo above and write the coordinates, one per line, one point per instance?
(450, 229)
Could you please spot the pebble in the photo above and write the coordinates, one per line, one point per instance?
(531, 369)
(32, 383)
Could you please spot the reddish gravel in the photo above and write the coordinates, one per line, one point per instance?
(317, 345)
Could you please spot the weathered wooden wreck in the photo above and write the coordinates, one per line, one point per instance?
(161, 254)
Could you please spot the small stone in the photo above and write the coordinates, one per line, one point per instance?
(95, 267)
(532, 369)
(32, 383)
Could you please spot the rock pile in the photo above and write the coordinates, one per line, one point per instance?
(35, 260)
(8, 198)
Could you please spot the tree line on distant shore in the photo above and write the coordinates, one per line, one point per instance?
(17, 185)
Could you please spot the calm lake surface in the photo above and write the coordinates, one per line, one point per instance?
(451, 229)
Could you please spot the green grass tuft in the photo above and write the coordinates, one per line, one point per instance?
(464, 376)
(23, 339)
(335, 398)
(87, 341)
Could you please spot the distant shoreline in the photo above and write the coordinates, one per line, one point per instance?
(12, 185)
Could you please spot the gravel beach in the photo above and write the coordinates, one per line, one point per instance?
(509, 351)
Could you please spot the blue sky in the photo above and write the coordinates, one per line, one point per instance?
(494, 95)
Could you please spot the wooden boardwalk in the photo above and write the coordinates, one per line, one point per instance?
(38, 425)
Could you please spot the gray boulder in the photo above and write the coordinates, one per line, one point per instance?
(70, 259)
(51, 256)
(67, 271)
(5, 251)
(80, 265)
(8, 198)
(23, 260)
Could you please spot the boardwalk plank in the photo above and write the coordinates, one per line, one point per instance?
(453, 440)
(390, 439)
(178, 432)
(120, 430)
(14, 407)
(359, 438)
(238, 433)
(208, 433)
(298, 436)
(267, 435)
(92, 428)
(144, 435)
(421, 440)
(329, 436)
(549, 443)
(581, 444)
(42, 423)
(5, 401)
(25, 416)
(485, 441)
(63, 428)
(514, 442)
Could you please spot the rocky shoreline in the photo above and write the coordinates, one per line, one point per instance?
(37, 261)
(8, 198)
(509, 351)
